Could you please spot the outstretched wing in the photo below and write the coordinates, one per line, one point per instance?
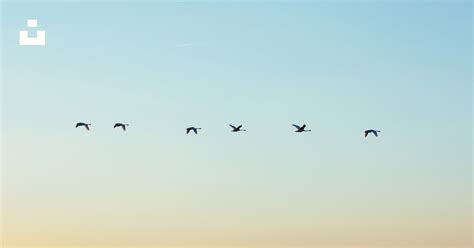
(123, 127)
(87, 127)
(78, 124)
(376, 134)
(297, 127)
(366, 133)
(195, 130)
(232, 126)
(187, 130)
(239, 127)
(302, 127)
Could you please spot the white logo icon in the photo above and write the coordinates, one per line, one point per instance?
(39, 40)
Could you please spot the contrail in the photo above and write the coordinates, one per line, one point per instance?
(184, 45)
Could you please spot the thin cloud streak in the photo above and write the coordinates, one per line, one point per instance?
(185, 45)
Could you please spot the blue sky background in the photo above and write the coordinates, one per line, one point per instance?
(402, 67)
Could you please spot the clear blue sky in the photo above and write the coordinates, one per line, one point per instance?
(402, 67)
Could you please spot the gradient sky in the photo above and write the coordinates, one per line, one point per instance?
(403, 67)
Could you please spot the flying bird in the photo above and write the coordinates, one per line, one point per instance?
(82, 124)
(123, 126)
(300, 129)
(194, 129)
(237, 129)
(367, 132)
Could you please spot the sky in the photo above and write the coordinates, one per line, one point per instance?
(402, 67)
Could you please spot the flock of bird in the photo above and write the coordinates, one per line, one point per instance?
(299, 129)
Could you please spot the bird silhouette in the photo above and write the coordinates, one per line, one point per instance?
(237, 129)
(123, 126)
(82, 124)
(300, 129)
(367, 132)
(194, 129)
